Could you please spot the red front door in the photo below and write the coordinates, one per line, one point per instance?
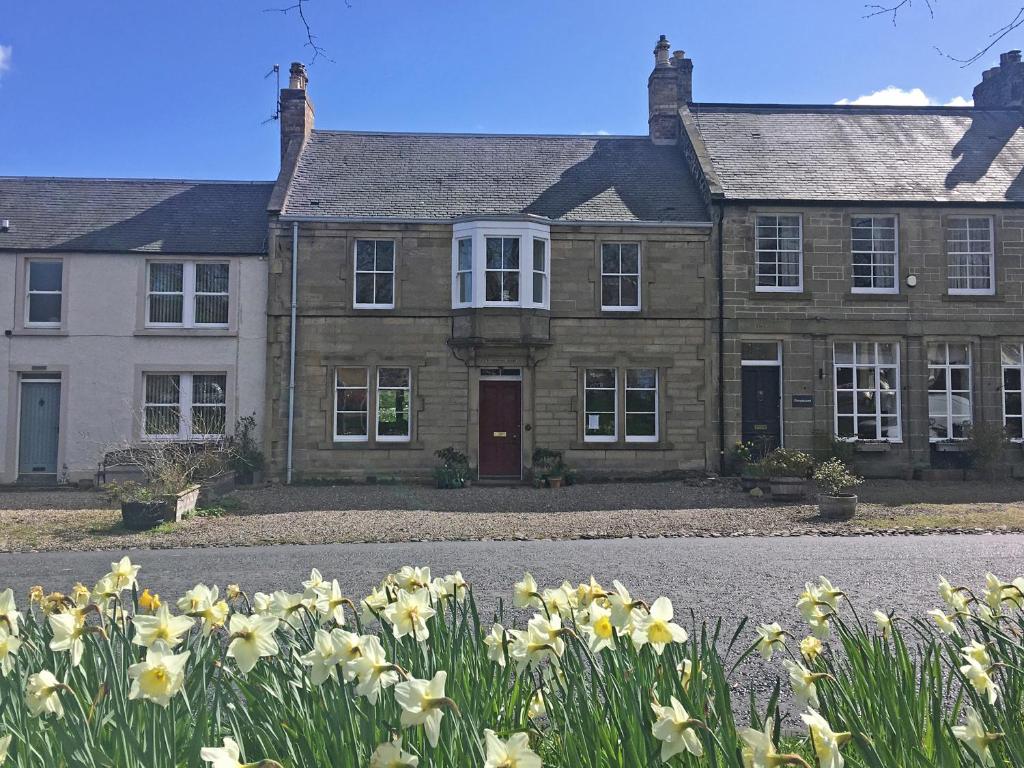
(501, 450)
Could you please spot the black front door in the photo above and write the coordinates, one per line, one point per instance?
(762, 423)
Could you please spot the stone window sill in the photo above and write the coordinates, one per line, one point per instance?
(944, 447)
(872, 447)
(185, 332)
(40, 332)
(621, 445)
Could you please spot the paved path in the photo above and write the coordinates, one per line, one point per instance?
(728, 578)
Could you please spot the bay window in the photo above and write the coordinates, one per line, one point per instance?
(184, 406)
(949, 391)
(1013, 376)
(187, 294)
(501, 264)
(502, 270)
(866, 377)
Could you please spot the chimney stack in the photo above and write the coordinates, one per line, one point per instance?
(296, 110)
(1002, 87)
(669, 88)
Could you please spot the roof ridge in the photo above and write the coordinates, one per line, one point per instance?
(481, 135)
(737, 106)
(144, 180)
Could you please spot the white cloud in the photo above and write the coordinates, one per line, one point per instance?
(5, 57)
(601, 132)
(898, 97)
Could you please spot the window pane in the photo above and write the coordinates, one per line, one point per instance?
(162, 420)
(384, 285)
(610, 258)
(44, 307)
(162, 389)
(538, 287)
(393, 377)
(539, 255)
(843, 353)
(351, 399)
(44, 275)
(466, 287)
(465, 254)
(610, 292)
(365, 255)
(352, 377)
(212, 278)
(641, 424)
(641, 400)
(630, 296)
(600, 424)
(510, 253)
(166, 277)
(493, 286)
(393, 413)
(642, 377)
(351, 424)
(385, 256)
(510, 286)
(493, 253)
(630, 258)
(209, 389)
(164, 308)
(600, 400)
(210, 310)
(1011, 378)
(1011, 354)
(759, 350)
(364, 288)
(601, 377)
(208, 420)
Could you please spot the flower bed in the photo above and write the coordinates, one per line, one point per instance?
(411, 675)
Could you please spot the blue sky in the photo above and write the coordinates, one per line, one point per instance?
(176, 89)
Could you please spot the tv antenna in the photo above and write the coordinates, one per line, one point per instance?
(275, 70)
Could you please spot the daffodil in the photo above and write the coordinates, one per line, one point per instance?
(685, 671)
(262, 603)
(803, 682)
(160, 677)
(588, 593)
(975, 651)
(227, 756)
(9, 645)
(422, 703)
(68, 633)
(10, 616)
(456, 586)
(622, 605)
(203, 602)
(330, 603)
(80, 595)
(372, 669)
(123, 574)
(324, 658)
(315, 580)
(374, 605)
(980, 679)
(993, 592)
(559, 600)
(252, 638)
(884, 623)
(771, 637)
(599, 630)
(674, 728)
(944, 622)
(494, 641)
(514, 753)
(5, 746)
(148, 601)
(526, 593)
(289, 606)
(952, 596)
(811, 648)
(391, 755)
(758, 747)
(824, 740)
(537, 707)
(161, 627)
(409, 614)
(41, 695)
(974, 735)
(656, 627)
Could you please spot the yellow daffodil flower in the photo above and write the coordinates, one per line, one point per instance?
(161, 627)
(656, 627)
(41, 695)
(148, 601)
(422, 703)
(391, 755)
(803, 682)
(409, 614)
(10, 616)
(80, 595)
(315, 580)
(330, 603)
(9, 645)
(372, 669)
(674, 728)
(233, 592)
(824, 740)
(252, 638)
(160, 677)
(811, 648)
(203, 602)
(514, 753)
(526, 593)
(974, 735)
(494, 641)
(771, 637)
(413, 579)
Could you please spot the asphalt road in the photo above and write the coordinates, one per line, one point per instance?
(727, 578)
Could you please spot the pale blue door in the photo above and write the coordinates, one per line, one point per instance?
(40, 427)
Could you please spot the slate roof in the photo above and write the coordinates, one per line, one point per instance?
(849, 153)
(443, 176)
(126, 215)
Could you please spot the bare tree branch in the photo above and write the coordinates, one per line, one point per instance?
(994, 39)
(882, 10)
(311, 40)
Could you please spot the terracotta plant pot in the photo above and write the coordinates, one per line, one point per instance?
(788, 488)
(555, 481)
(837, 507)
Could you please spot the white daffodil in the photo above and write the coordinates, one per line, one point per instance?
(391, 755)
(123, 574)
(10, 616)
(514, 753)
(974, 735)
(262, 603)
(993, 592)
(494, 642)
(228, 756)
(685, 671)
(828, 594)
(814, 601)
(252, 638)
(9, 645)
(160, 627)
(622, 605)
(203, 602)
(588, 593)
(770, 637)
(160, 677)
(803, 682)
(68, 635)
(289, 606)
(952, 596)
(758, 747)
(456, 586)
(824, 740)
(350, 648)
(980, 679)
(329, 602)
(315, 580)
(374, 605)
(559, 600)
(537, 707)
(324, 658)
(944, 622)
(41, 695)
(408, 615)
(412, 579)
(599, 630)
(811, 648)
(884, 623)
(526, 593)
(656, 627)
(674, 728)
(5, 746)
(372, 669)
(975, 651)
(422, 703)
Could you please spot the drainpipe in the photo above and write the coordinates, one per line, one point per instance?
(721, 339)
(291, 350)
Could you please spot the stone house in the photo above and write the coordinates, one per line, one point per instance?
(133, 310)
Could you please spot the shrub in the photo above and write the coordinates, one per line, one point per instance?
(454, 469)
(786, 462)
(550, 463)
(986, 443)
(834, 479)
(245, 454)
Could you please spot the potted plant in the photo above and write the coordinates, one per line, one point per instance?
(787, 472)
(454, 469)
(834, 482)
(246, 458)
(549, 467)
(746, 461)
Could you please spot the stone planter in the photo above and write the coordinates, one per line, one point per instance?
(140, 515)
(788, 488)
(837, 507)
(213, 488)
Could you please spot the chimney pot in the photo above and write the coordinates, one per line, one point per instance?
(297, 77)
(677, 55)
(661, 52)
(1002, 87)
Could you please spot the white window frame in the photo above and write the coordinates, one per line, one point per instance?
(1019, 368)
(185, 405)
(188, 294)
(947, 368)
(29, 293)
(876, 366)
(460, 271)
(365, 437)
(408, 400)
(657, 405)
(614, 437)
(991, 289)
(478, 230)
(874, 254)
(517, 271)
(620, 274)
(542, 273)
(356, 271)
(799, 287)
